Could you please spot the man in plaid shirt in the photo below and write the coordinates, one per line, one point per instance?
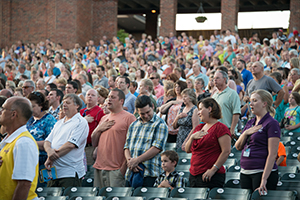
(146, 138)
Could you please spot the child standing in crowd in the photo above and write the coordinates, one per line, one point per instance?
(170, 177)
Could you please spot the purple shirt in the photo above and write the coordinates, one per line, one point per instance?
(258, 143)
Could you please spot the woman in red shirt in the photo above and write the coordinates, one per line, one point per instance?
(210, 147)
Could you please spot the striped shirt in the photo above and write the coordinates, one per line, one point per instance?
(141, 137)
(175, 180)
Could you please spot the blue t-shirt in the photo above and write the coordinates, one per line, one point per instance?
(247, 76)
(294, 115)
(280, 110)
(40, 129)
(56, 72)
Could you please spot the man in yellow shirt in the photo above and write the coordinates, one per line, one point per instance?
(18, 152)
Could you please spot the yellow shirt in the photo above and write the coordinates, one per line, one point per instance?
(7, 185)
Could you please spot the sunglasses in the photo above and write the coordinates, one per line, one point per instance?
(153, 78)
(26, 87)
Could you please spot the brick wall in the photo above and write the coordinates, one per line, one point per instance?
(295, 15)
(168, 11)
(229, 10)
(64, 21)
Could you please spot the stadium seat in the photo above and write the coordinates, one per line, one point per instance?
(86, 198)
(291, 177)
(230, 162)
(274, 195)
(229, 193)
(88, 182)
(54, 198)
(183, 168)
(289, 186)
(184, 155)
(292, 162)
(170, 146)
(292, 143)
(236, 155)
(291, 134)
(235, 168)
(115, 191)
(232, 176)
(292, 156)
(184, 161)
(287, 169)
(285, 139)
(124, 198)
(149, 192)
(189, 193)
(294, 149)
(233, 183)
(81, 191)
(49, 191)
(155, 198)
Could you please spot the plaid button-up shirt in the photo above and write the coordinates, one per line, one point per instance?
(175, 180)
(141, 137)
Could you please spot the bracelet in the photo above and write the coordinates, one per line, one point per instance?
(216, 166)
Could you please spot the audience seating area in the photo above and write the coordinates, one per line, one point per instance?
(288, 183)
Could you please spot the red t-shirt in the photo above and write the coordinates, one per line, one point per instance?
(206, 150)
(95, 112)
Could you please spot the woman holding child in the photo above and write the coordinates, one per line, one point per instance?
(210, 146)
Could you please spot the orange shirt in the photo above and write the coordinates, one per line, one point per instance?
(281, 152)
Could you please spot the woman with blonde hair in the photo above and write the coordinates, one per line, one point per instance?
(259, 145)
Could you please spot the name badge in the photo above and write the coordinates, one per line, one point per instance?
(246, 153)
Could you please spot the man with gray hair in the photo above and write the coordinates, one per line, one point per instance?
(293, 53)
(198, 74)
(228, 100)
(83, 81)
(65, 145)
(28, 87)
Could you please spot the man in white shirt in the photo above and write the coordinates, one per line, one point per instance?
(65, 145)
(229, 37)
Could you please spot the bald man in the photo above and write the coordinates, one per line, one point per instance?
(7, 93)
(19, 152)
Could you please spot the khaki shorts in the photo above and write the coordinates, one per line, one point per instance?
(106, 178)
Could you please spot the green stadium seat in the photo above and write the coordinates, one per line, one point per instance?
(183, 168)
(184, 161)
(170, 146)
(291, 177)
(236, 155)
(292, 162)
(156, 198)
(54, 198)
(292, 156)
(184, 155)
(115, 191)
(274, 195)
(49, 191)
(287, 169)
(289, 186)
(229, 193)
(232, 176)
(81, 191)
(230, 162)
(233, 183)
(124, 198)
(88, 182)
(235, 168)
(149, 192)
(87, 198)
(189, 193)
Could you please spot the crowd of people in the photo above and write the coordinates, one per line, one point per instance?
(115, 105)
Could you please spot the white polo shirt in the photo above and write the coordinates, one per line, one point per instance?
(75, 131)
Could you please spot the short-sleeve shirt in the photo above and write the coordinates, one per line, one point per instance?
(95, 112)
(258, 143)
(206, 151)
(40, 129)
(75, 131)
(129, 102)
(265, 83)
(109, 158)
(281, 152)
(230, 104)
(294, 115)
(141, 137)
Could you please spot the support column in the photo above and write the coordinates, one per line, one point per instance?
(168, 11)
(151, 24)
(105, 20)
(229, 10)
(5, 23)
(294, 15)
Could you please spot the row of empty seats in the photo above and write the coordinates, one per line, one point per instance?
(142, 193)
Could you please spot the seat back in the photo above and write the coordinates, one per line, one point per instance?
(149, 192)
(189, 193)
(229, 193)
(49, 191)
(274, 195)
(115, 191)
(88, 182)
(233, 183)
(291, 177)
(81, 191)
(87, 198)
(289, 186)
(232, 176)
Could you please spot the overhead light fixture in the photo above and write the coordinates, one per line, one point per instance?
(153, 11)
